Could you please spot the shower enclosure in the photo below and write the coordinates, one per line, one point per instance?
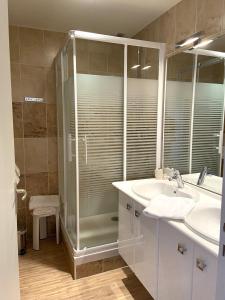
(109, 110)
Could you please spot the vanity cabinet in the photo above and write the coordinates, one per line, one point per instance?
(186, 270)
(138, 242)
(176, 253)
(126, 235)
(168, 262)
(204, 275)
(145, 249)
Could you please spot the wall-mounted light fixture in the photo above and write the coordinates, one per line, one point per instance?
(202, 43)
(146, 67)
(135, 66)
(190, 40)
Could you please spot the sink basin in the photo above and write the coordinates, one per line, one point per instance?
(204, 220)
(149, 190)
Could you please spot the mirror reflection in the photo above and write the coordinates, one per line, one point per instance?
(194, 115)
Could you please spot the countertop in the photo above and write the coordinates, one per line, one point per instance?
(126, 188)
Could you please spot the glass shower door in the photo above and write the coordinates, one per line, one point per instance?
(100, 132)
(70, 141)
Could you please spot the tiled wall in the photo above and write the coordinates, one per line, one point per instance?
(32, 70)
(184, 19)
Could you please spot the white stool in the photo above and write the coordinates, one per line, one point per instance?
(42, 207)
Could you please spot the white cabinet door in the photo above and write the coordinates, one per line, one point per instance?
(204, 275)
(126, 248)
(175, 264)
(146, 249)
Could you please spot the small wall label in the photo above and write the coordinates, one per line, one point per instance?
(33, 99)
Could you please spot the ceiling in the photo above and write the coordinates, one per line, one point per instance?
(101, 16)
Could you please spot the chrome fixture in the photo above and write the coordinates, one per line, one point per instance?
(202, 175)
(23, 192)
(176, 176)
(202, 43)
(193, 39)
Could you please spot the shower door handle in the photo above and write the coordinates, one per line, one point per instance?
(85, 140)
(70, 150)
(220, 146)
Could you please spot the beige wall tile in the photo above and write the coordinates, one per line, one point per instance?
(51, 120)
(19, 154)
(18, 120)
(33, 81)
(53, 42)
(52, 155)
(16, 82)
(168, 29)
(14, 43)
(115, 60)
(154, 31)
(21, 218)
(32, 47)
(36, 160)
(37, 184)
(34, 119)
(185, 19)
(82, 62)
(50, 86)
(98, 63)
(53, 183)
(209, 16)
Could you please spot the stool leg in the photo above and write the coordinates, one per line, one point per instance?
(35, 232)
(57, 227)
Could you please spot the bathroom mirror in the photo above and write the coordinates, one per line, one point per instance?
(194, 115)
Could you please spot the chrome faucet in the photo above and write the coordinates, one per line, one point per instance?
(176, 176)
(202, 176)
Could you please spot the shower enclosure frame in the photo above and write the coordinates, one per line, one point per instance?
(196, 53)
(75, 34)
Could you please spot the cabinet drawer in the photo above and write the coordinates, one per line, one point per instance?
(204, 275)
(125, 236)
(176, 252)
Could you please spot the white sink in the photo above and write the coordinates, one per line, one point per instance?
(149, 190)
(204, 220)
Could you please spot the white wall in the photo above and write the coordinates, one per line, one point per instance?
(9, 277)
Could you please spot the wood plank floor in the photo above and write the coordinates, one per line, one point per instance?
(45, 275)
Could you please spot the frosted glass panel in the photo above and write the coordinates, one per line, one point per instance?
(142, 101)
(141, 127)
(100, 129)
(69, 142)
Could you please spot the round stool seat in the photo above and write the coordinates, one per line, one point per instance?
(44, 211)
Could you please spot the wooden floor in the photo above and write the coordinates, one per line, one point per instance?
(45, 275)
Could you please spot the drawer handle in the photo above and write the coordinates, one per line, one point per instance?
(181, 249)
(129, 206)
(137, 214)
(200, 264)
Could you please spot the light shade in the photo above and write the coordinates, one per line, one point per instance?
(146, 67)
(203, 44)
(135, 66)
